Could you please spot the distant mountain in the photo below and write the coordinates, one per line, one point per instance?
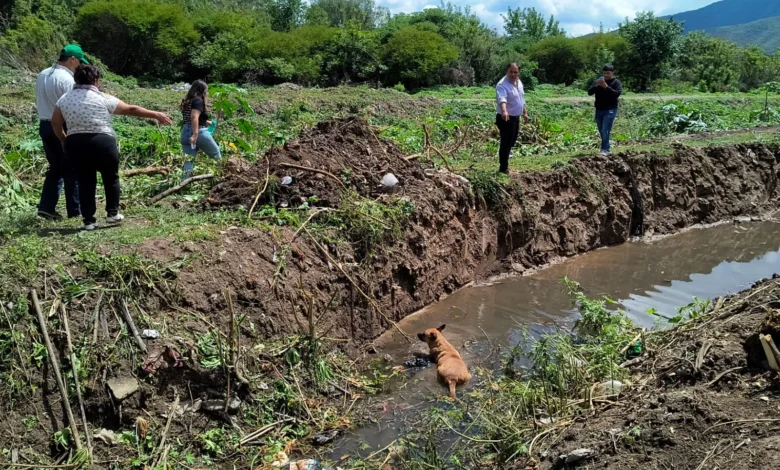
(728, 13)
(763, 33)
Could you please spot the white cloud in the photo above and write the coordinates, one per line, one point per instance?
(576, 16)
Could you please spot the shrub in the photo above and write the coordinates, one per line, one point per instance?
(560, 59)
(137, 37)
(32, 45)
(415, 57)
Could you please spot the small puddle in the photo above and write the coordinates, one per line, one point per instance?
(663, 275)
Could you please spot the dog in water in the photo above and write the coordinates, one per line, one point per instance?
(452, 370)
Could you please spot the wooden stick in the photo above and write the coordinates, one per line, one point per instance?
(151, 170)
(262, 431)
(131, 325)
(742, 421)
(257, 198)
(314, 170)
(178, 187)
(72, 354)
(770, 355)
(56, 367)
(231, 346)
(723, 374)
(97, 318)
(171, 412)
(631, 343)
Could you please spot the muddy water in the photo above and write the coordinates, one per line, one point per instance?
(663, 275)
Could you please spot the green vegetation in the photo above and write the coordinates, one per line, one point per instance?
(333, 42)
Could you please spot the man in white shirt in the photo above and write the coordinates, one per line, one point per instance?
(50, 86)
(510, 105)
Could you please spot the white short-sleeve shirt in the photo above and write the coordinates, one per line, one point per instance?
(88, 111)
(50, 86)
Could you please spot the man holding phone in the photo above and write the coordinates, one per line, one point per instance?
(607, 90)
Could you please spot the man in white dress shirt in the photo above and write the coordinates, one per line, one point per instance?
(50, 86)
(510, 105)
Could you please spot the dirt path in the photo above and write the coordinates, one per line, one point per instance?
(584, 99)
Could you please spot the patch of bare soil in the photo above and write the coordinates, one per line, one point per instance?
(703, 397)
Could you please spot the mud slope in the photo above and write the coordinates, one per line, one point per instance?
(452, 237)
(721, 414)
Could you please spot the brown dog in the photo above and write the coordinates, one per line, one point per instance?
(452, 370)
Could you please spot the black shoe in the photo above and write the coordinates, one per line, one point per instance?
(49, 215)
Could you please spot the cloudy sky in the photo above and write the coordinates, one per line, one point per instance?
(577, 17)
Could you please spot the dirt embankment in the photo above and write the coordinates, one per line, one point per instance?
(706, 400)
(451, 238)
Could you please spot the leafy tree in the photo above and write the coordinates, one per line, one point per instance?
(415, 57)
(709, 62)
(32, 45)
(286, 14)
(757, 68)
(316, 16)
(352, 55)
(560, 59)
(653, 41)
(364, 13)
(137, 37)
(530, 26)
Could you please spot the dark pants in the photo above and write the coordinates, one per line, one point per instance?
(60, 171)
(605, 118)
(509, 131)
(93, 153)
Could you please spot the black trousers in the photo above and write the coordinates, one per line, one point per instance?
(60, 173)
(90, 154)
(509, 131)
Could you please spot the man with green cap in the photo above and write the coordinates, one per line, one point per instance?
(51, 84)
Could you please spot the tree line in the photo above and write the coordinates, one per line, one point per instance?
(331, 42)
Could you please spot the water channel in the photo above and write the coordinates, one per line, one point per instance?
(664, 275)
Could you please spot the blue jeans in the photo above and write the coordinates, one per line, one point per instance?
(61, 170)
(605, 118)
(205, 143)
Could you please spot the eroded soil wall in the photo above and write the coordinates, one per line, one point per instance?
(453, 238)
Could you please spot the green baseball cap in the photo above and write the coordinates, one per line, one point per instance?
(74, 50)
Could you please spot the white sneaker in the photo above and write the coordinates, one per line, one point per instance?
(90, 227)
(116, 219)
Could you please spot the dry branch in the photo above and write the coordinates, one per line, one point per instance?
(151, 170)
(265, 186)
(131, 325)
(178, 187)
(57, 374)
(73, 362)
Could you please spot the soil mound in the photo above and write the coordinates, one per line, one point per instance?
(334, 155)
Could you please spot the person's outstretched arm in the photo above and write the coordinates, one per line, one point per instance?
(124, 109)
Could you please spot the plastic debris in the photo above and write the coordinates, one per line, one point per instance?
(219, 405)
(150, 334)
(576, 456)
(287, 180)
(389, 180)
(122, 387)
(108, 437)
(161, 357)
(418, 362)
(325, 438)
(280, 460)
(306, 464)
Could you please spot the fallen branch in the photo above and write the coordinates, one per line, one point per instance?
(171, 412)
(97, 318)
(370, 300)
(73, 363)
(742, 421)
(131, 324)
(262, 431)
(57, 374)
(267, 176)
(314, 170)
(151, 170)
(631, 343)
(178, 187)
(723, 374)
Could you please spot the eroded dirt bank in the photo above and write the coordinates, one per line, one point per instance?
(702, 396)
(454, 236)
